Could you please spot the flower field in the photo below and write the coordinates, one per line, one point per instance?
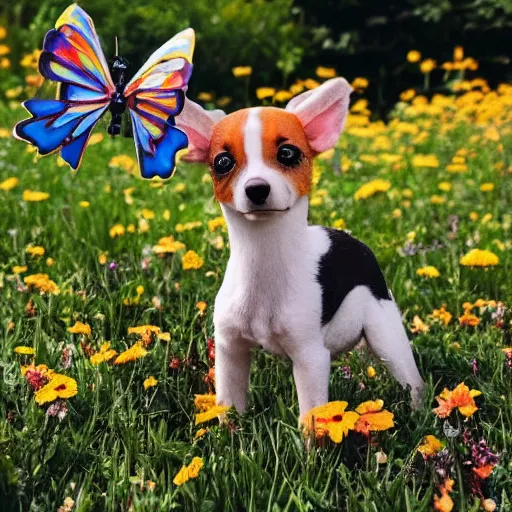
(107, 365)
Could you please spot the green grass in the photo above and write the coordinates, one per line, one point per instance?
(116, 434)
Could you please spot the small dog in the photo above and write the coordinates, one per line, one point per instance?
(301, 291)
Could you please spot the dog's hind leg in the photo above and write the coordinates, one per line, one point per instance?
(386, 336)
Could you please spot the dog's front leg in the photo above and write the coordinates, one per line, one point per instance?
(232, 368)
(311, 367)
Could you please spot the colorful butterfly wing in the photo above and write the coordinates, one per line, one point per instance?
(73, 57)
(155, 96)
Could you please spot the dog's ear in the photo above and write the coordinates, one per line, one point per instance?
(197, 123)
(322, 112)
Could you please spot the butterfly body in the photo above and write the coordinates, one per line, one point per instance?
(118, 101)
(88, 88)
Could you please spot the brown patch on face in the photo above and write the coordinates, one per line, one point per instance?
(280, 127)
(228, 135)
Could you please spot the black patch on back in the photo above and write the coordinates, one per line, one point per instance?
(348, 263)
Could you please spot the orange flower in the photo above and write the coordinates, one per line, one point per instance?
(330, 419)
(431, 446)
(484, 471)
(468, 319)
(461, 397)
(444, 503)
(373, 418)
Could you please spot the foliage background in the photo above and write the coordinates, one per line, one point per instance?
(286, 39)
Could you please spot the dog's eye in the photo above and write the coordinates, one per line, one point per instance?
(289, 155)
(223, 163)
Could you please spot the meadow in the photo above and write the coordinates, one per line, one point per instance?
(107, 285)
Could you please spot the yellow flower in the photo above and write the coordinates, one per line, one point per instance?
(42, 282)
(330, 419)
(428, 271)
(444, 503)
(3, 33)
(147, 214)
(408, 95)
(467, 319)
(413, 56)
(84, 204)
(9, 183)
(133, 353)
(427, 66)
(224, 101)
(167, 245)
(322, 72)
(461, 397)
(33, 196)
(125, 162)
(360, 83)
(458, 53)
(205, 96)
(50, 262)
(143, 329)
(188, 472)
(492, 134)
(19, 269)
(445, 186)
(60, 386)
(35, 251)
(14, 92)
(5, 63)
(150, 382)
(95, 139)
(105, 354)
(310, 83)
(201, 306)
(80, 328)
(204, 402)
(200, 433)
(339, 224)
(241, 71)
(371, 372)
(117, 230)
(479, 258)
(217, 223)
(442, 314)
(487, 187)
(425, 161)
(372, 418)
(211, 413)
(418, 325)
(282, 96)
(102, 259)
(4, 49)
(265, 92)
(431, 446)
(192, 261)
(371, 188)
(164, 336)
(26, 351)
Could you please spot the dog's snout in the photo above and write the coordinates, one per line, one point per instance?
(257, 191)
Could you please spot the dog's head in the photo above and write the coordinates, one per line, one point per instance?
(261, 158)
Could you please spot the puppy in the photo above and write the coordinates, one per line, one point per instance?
(300, 291)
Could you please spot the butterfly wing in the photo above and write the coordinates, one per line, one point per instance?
(72, 56)
(155, 95)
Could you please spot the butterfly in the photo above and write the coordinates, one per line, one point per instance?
(87, 89)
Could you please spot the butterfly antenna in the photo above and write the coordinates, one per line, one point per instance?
(117, 47)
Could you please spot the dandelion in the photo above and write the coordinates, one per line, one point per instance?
(487, 187)
(371, 188)
(360, 83)
(428, 271)
(413, 56)
(425, 161)
(132, 354)
(242, 71)
(461, 398)
(427, 66)
(143, 329)
(84, 204)
(371, 372)
(116, 231)
(19, 269)
(33, 196)
(23, 350)
(408, 95)
(282, 96)
(188, 472)
(192, 261)
(217, 223)
(479, 258)
(105, 354)
(201, 306)
(150, 382)
(205, 96)
(265, 92)
(310, 83)
(147, 214)
(9, 183)
(102, 258)
(125, 162)
(60, 386)
(42, 282)
(330, 419)
(35, 251)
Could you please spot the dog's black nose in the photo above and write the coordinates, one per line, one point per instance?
(258, 192)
